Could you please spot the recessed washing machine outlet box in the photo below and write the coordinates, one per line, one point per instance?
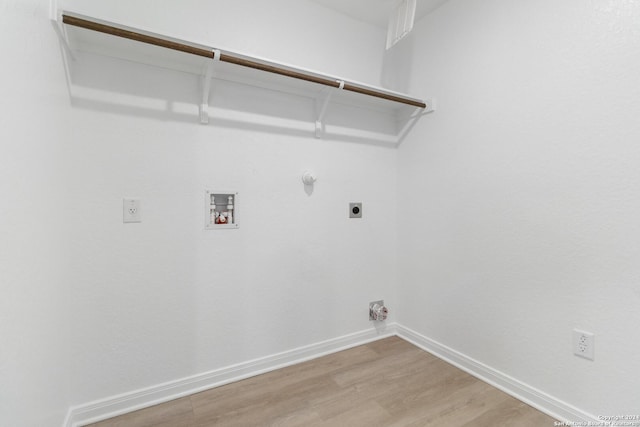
(220, 210)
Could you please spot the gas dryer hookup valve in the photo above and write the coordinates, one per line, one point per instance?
(378, 312)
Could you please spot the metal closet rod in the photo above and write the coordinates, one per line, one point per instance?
(225, 57)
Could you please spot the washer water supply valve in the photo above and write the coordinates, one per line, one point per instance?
(377, 311)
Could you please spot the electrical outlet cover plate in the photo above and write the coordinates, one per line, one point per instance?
(583, 344)
(131, 210)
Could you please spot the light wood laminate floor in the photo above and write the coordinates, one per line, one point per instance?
(386, 383)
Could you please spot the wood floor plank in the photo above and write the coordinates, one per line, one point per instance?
(365, 414)
(386, 383)
(176, 413)
(509, 412)
(268, 403)
(378, 369)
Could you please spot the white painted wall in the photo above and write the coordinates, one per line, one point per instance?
(519, 196)
(518, 202)
(34, 335)
(92, 307)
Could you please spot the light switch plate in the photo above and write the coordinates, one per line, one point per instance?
(131, 210)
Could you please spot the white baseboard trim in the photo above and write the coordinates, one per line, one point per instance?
(99, 410)
(551, 406)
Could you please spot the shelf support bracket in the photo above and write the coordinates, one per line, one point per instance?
(55, 20)
(322, 102)
(411, 120)
(206, 87)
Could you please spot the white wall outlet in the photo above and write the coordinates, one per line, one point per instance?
(131, 210)
(583, 344)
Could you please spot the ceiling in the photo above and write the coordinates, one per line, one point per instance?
(376, 12)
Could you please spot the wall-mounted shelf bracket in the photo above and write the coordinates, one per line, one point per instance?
(207, 75)
(81, 33)
(56, 22)
(322, 102)
(407, 122)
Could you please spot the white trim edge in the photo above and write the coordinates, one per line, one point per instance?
(99, 410)
(128, 402)
(540, 400)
